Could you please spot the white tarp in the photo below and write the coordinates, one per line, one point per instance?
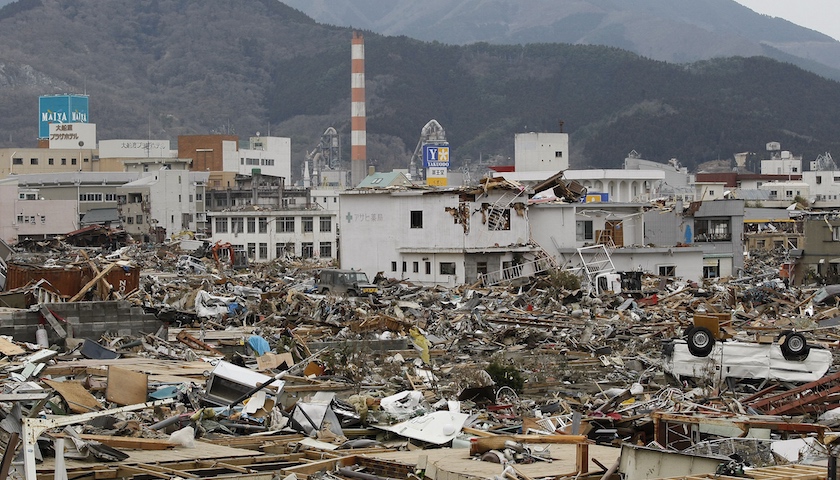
(748, 360)
(436, 427)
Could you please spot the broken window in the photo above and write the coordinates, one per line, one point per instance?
(498, 219)
(237, 225)
(325, 249)
(286, 224)
(712, 230)
(667, 270)
(307, 250)
(447, 268)
(252, 250)
(263, 222)
(307, 224)
(416, 219)
(583, 230)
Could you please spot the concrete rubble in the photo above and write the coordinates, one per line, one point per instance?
(136, 362)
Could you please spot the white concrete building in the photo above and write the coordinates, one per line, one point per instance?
(541, 152)
(782, 163)
(25, 214)
(267, 155)
(435, 237)
(823, 188)
(163, 203)
(783, 194)
(267, 233)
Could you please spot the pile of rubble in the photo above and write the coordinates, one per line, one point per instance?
(248, 371)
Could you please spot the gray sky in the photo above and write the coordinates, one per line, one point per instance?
(820, 15)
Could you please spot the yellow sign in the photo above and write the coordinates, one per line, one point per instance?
(436, 181)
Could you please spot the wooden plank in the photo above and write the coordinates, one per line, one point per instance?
(91, 283)
(10, 349)
(126, 387)
(77, 397)
(48, 315)
(138, 443)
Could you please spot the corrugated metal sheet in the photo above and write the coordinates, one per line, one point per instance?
(69, 279)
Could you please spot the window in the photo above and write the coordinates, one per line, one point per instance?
(64, 161)
(325, 249)
(583, 230)
(282, 249)
(393, 266)
(252, 225)
(498, 219)
(481, 268)
(221, 225)
(221, 202)
(17, 161)
(428, 268)
(237, 225)
(307, 250)
(73, 161)
(404, 269)
(90, 197)
(263, 251)
(326, 224)
(307, 224)
(252, 250)
(20, 220)
(415, 267)
(286, 224)
(712, 230)
(760, 244)
(416, 220)
(50, 161)
(667, 270)
(263, 222)
(558, 154)
(835, 234)
(711, 193)
(129, 220)
(819, 179)
(198, 197)
(138, 219)
(447, 268)
(110, 197)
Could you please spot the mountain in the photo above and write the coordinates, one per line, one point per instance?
(676, 31)
(164, 68)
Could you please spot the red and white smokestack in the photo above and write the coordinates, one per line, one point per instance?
(358, 129)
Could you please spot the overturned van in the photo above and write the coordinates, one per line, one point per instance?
(748, 360)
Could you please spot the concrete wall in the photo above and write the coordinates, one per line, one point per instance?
(88, 320)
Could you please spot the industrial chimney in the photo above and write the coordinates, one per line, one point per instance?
(358, 130)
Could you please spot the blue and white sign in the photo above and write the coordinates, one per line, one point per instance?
(436, 156)
(61, 109)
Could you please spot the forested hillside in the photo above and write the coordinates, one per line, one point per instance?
(170, 67)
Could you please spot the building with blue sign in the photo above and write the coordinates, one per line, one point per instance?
(61, 109)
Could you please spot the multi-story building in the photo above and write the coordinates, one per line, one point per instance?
(163, 203)
(436, 237)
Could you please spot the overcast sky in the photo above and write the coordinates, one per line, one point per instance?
(820, 15)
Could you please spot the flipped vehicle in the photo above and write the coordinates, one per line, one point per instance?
(352, 283)
(707, 351)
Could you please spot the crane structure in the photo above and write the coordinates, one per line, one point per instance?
(325, 156)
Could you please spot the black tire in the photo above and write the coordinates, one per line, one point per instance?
(700, 341)
(352, 293)
(794, 346)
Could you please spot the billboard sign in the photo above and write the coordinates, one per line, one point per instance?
(436, 156)
(61, 109)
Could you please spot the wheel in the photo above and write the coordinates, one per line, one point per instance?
(352, 293)
(700, 341)
(794, 346)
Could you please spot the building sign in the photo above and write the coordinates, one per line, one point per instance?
(72, 135)
(61, 109)
(436, 156)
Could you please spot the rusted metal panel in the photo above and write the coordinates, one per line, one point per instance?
(69, 279)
